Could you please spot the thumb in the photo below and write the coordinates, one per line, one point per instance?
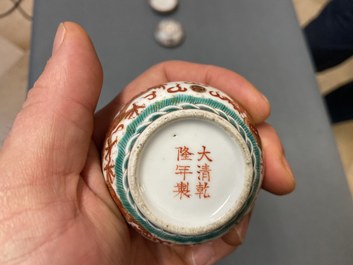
(53, 130)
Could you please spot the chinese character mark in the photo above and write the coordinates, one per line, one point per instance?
(204, 172)
(183, 171)
(201, 190)
(204, 154)
(184, 153)
(182, 189)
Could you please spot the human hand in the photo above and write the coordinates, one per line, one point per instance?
(55, 207)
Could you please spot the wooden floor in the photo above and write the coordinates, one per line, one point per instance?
(15, 33)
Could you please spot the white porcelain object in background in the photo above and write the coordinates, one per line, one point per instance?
(169, 33)
(163, 6)
(183, 163)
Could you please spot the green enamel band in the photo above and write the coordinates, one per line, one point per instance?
(134, 128)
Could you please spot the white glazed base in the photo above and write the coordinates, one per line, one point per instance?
(190, 172)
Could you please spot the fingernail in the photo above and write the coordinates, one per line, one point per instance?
(266, 99)
(242, 228)
(289, 169)
(203, 255)
(59, 38)
(268, 104)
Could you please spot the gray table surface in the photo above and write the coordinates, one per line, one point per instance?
(262, 41)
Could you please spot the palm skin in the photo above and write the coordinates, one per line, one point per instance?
(56, 208)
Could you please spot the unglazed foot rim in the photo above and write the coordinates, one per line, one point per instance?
(201, 215)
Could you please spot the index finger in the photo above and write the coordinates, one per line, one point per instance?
(231, 83)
